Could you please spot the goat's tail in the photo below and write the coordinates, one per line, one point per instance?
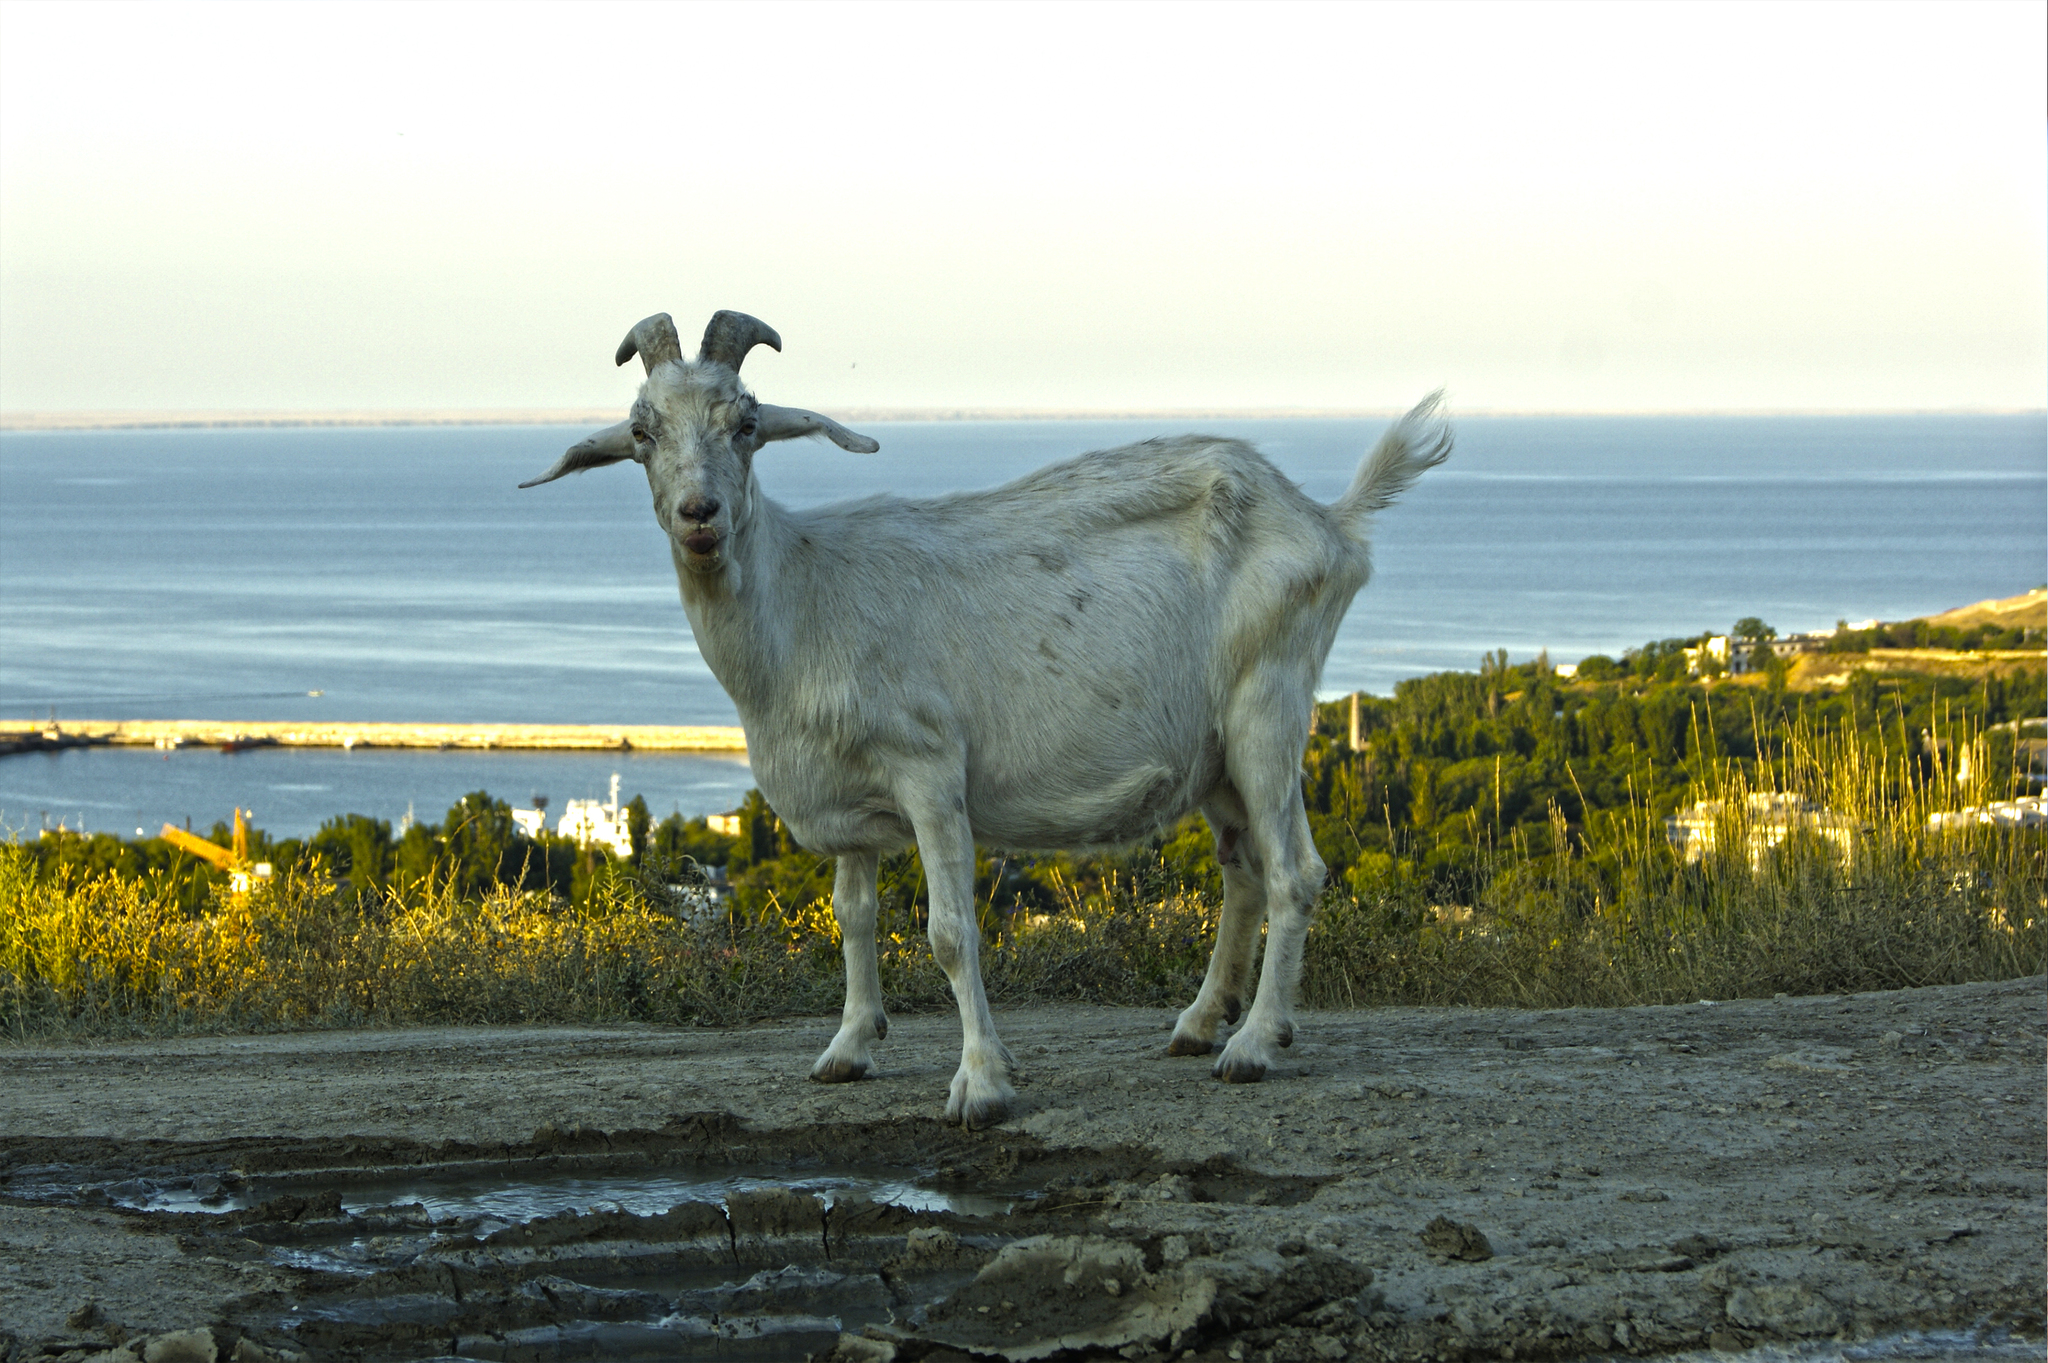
(1418, 441)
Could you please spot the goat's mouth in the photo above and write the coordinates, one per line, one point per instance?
(702, 542)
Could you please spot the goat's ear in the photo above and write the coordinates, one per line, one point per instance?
(608, 446)
(787, 423)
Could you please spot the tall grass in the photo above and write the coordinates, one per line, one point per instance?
(1865, 896)
(1603, 914)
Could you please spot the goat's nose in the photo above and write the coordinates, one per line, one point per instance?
(699, 509)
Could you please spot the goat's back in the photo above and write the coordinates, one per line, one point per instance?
(1138, 549)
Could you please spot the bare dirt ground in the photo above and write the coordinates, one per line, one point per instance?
(1414, 1184)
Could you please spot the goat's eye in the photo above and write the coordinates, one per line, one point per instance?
(640, 436)
(747, 429)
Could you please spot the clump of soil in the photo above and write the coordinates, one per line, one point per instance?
(1448, 1239)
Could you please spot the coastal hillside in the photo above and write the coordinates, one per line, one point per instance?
(2003, 637)
(2028, 610)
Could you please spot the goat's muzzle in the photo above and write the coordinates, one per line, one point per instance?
(702, 541)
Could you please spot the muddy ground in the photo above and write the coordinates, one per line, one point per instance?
(1413, 1184)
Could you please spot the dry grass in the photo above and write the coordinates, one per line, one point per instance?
(1615, 918)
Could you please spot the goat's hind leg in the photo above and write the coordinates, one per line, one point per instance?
(864, 1022)
(1221, 997)
(1265, 766)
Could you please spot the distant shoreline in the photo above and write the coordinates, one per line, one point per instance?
(232, 735)
(26, 422)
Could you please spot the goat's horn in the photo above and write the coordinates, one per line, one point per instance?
(731, 335)
(654, 340)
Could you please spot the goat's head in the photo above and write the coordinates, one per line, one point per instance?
(695, 429)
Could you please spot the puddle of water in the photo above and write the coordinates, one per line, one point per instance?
(357, 1260)
(510, 1200)
(515, 1201)
(1934, 1346)
(778, 1314)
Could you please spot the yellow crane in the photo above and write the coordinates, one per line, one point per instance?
(234, 860)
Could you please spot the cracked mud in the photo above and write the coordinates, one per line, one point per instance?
(1413, 1184)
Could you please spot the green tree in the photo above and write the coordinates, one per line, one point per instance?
(1776, 671)
(358, 847)
(481, 844)
(476, 849)
(676, 837)
(417, 857)
(638, 824)
(762, 836)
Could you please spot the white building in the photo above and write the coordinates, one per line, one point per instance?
(1737, 656)
(1762, 822)
(1714, 650)
(2028, 812)
(1792, 645)
(585, 822)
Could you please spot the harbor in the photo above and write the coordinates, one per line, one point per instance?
(289, 792)
(127, 777)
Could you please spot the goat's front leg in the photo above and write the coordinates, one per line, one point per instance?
(981, 1094)
(863, 1023)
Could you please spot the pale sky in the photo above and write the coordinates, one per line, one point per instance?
(1542, 207)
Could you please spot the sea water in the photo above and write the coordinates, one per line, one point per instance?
(399, 571)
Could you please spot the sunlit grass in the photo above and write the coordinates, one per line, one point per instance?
(1602, 915)
(1870, 897)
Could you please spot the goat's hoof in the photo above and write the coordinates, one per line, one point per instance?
(838, 1071)
(1239, 1071)
(986, 1113)
(976, 1113)
(1189, 1045)
(979, 1101)
(1286, 1035)
(1231, 1009)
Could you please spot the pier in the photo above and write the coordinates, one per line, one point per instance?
(28, 735)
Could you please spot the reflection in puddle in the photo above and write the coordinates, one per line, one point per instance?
(1932, 1346)
(510, 1200)
(645, 1195)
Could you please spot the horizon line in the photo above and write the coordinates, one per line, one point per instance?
(230, 418)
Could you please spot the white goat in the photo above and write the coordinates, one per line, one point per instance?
(1076, 659)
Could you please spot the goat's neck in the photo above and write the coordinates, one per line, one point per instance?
(738, 613)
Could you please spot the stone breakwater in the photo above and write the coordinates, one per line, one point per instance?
(30, 735)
